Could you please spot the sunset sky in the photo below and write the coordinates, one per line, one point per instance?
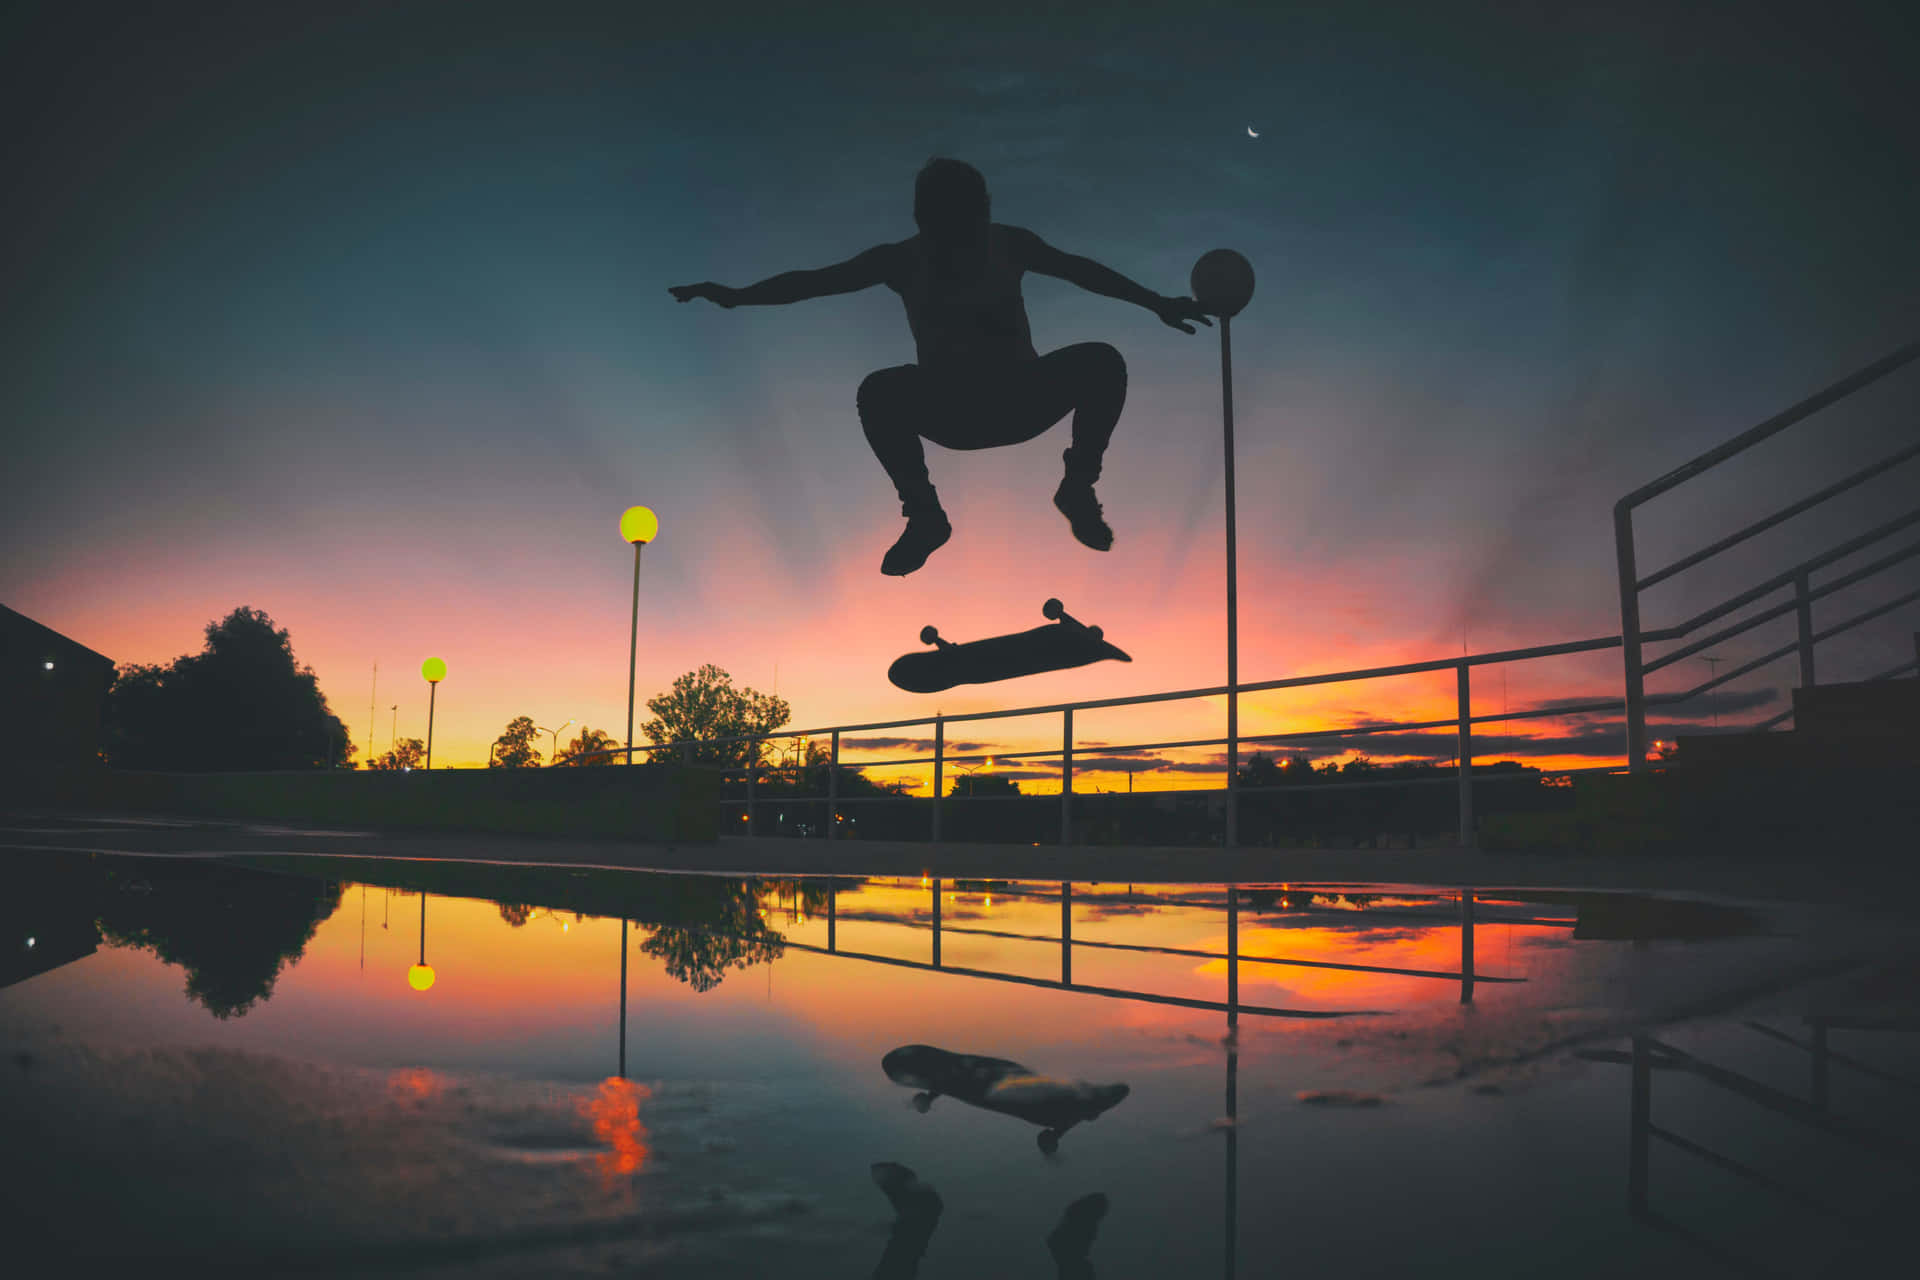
(357, 314)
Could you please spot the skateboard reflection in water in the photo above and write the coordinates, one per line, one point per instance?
(978, 383)
(995, 1084)
(916, 1209)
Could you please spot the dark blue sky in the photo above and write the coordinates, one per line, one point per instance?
(357, 313)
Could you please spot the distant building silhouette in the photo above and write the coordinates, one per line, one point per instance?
(54, 690)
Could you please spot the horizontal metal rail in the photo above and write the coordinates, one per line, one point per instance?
(1773, 426)
(1781, 516)
(878, 918)
(1800, 599)
(1081, 988)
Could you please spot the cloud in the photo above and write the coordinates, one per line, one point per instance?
(954, 746)
(1717, 701)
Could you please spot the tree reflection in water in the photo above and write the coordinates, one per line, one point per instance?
(233, 930)
(704, 928)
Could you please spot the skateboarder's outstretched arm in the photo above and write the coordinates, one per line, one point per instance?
(1037, 255)
(862, 271)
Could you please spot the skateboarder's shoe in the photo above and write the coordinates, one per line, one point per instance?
(1076, 502)
(925, 533)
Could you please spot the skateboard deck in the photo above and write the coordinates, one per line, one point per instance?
(1063, 643)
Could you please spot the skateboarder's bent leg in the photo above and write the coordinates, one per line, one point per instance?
(890, 403)
(1094, 376)
(985, 409)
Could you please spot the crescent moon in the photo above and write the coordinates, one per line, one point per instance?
(1251, 133)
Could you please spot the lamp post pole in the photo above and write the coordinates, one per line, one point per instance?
(639, 526)
(435, 670)
(1222, 283)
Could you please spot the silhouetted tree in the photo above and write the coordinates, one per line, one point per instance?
(515, 913)
(514, 748)
(581, 750)
(703, 705)
(408, 753)
(984, 784)
(243, 702)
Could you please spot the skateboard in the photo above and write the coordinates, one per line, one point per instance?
(1066, 643)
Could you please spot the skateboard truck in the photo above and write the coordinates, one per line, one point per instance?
(1067, 643)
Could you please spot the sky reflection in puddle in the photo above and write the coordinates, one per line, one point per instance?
(239, 1064)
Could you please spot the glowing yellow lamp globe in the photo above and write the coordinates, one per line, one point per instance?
(420, 976)
(639, 524)
(434, 669)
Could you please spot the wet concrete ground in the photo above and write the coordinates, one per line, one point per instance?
(1837, 875)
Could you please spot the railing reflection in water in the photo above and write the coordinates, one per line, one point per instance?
(1853, 1230)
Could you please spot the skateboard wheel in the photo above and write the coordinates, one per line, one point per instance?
(929, 636)
(1052, 610)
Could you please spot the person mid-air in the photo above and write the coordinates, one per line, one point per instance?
(979, 382)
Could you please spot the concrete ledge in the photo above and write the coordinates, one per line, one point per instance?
(643, 803)
(1824, 875)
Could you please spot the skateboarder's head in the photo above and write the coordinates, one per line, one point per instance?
(950, 200)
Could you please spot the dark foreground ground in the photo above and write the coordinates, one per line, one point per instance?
(1829, 874)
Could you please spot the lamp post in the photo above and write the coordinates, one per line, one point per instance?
(435, 670)
(420, 976)
(639, 526)
(1222, 283)
(556, 739)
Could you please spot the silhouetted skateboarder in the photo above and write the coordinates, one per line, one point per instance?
(979, 383)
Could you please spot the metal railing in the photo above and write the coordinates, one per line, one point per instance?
(1462, 721)
(1635, 638)
(1632, 640)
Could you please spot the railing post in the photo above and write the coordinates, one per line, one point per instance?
(1233, 957)
(1803, 611)
(1464, 682)
(1466, 946)
(753, 758)
(1066, 933)
(939, 761)
(833, 789)
(936, 923)
(1066, 777)
(1641, 1104)
(1636, 689)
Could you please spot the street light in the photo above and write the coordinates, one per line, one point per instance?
(1222, 284)
(556, 739)
(639, 526)
(435, 670)
(420, 976)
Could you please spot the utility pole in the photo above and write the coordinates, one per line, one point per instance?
(372, 698)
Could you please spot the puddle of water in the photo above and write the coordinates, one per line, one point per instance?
(462, 1069)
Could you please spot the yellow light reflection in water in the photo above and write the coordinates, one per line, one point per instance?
(420, 976)
(614, 1112)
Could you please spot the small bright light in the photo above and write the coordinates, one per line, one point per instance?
(420, 976)
(639, 524)
(434, 669)
(30, 941)
(49, 666)
(564, 926)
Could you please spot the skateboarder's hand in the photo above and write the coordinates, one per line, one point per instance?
(1177, 311)
(718, 294)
